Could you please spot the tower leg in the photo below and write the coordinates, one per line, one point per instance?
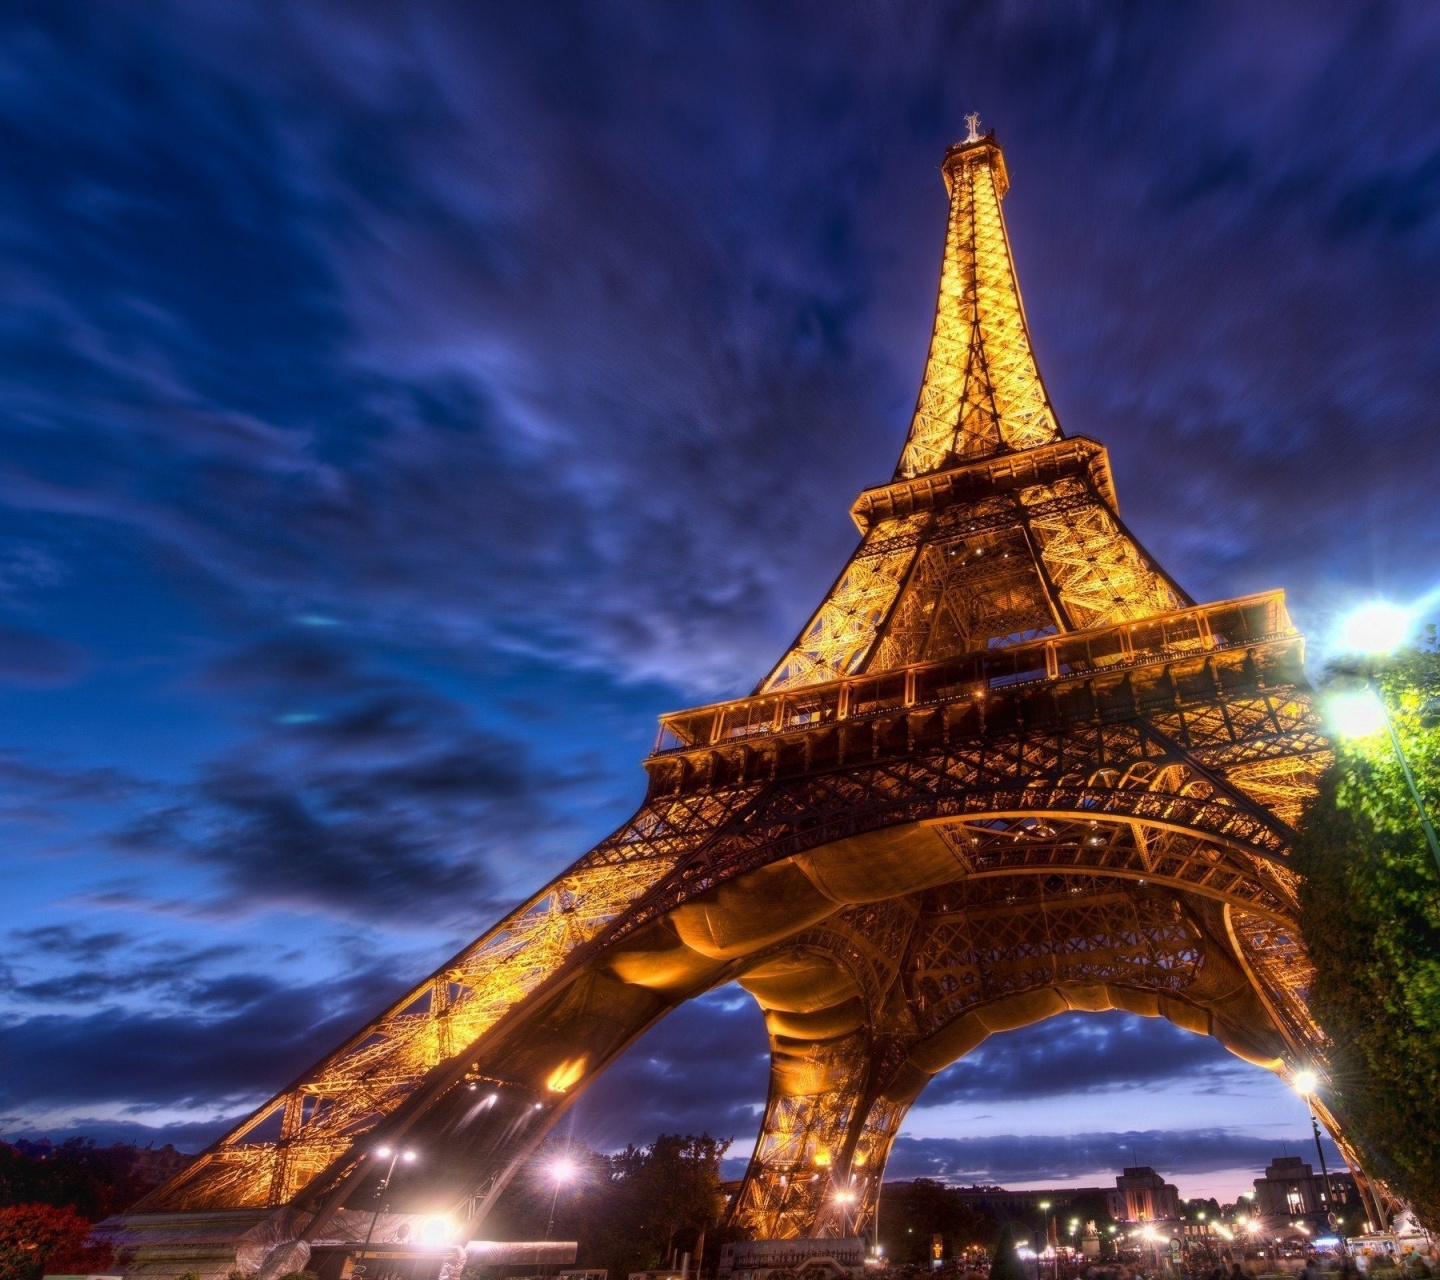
(820, 1157)
(794, 1177)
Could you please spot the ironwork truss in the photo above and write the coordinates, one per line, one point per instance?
(1008, 768)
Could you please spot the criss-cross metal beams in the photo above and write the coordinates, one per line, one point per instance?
(318, 1120)
(816, 1117)
(976, 570)
(1159, 785)
(981, 392)
(980, 955)
(1007, 767)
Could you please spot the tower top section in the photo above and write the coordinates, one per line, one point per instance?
(979, 150)
(982, 393)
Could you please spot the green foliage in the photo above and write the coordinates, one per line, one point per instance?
(289, 1275)
(35, 1238)
(1371, 920)
(195, 1275)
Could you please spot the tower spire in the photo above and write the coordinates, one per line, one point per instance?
(981, 393)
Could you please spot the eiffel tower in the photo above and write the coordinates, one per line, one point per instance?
(1008, 769)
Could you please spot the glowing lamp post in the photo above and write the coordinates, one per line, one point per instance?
(1151, 1237)
(1374, 630)
(1305, 1084)
(562, 1171)
(395, 1155)
(1044, 1240)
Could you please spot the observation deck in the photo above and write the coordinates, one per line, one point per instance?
(1099, 665)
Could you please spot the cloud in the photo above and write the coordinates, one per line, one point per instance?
(603, 394)
(235, 1042)
(383, 800)
(71, 943)
(501, 342)
(1183, 1153)
(100, 968)
(1077, 1054)
(39, 661)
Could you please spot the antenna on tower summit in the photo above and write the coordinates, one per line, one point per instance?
(973, 120)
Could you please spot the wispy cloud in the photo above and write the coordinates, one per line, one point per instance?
(403, 404)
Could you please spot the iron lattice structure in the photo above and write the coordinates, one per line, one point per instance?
(1007, 769)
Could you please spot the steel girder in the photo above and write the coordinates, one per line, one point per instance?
(1002, 804)
(1007, 767)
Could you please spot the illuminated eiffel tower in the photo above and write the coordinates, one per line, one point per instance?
(1007, 769)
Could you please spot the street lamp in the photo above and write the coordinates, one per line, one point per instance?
(1044, 1241)
(1375, 628)
(1305, 1083)
(395, 1155)
(562, 1170)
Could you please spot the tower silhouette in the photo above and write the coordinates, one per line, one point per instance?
(1007, 769)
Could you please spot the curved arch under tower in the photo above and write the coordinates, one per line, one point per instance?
(1008, 768)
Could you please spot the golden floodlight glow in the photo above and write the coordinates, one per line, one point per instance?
(565, 1075)
(1006, 732)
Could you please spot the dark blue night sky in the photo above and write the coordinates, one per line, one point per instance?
(402, 405)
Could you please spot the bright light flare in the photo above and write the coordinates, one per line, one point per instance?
(563, 1169)
(1376, 627)
(844, 1197)
(1356, 714)
(1304, 1082)
(437, 1228)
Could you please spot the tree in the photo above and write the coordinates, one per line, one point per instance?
(1370, 900)
(628, 1210)
(97, 1181)
(913, 1212)
(1192, 1209)
(1006, 1263)
(35, 1238)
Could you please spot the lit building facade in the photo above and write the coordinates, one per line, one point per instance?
(1142, 1195)
(1291, 1188)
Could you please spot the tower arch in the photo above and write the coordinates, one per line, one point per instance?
(1007, 768)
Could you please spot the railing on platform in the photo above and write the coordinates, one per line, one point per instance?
(1250, 620)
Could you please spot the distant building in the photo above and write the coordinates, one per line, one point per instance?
(1139, 1195)
(1292, 1189)
(1142, 1195)
(1001, 1203)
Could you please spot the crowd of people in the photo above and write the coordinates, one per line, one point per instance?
(1336, 1265)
